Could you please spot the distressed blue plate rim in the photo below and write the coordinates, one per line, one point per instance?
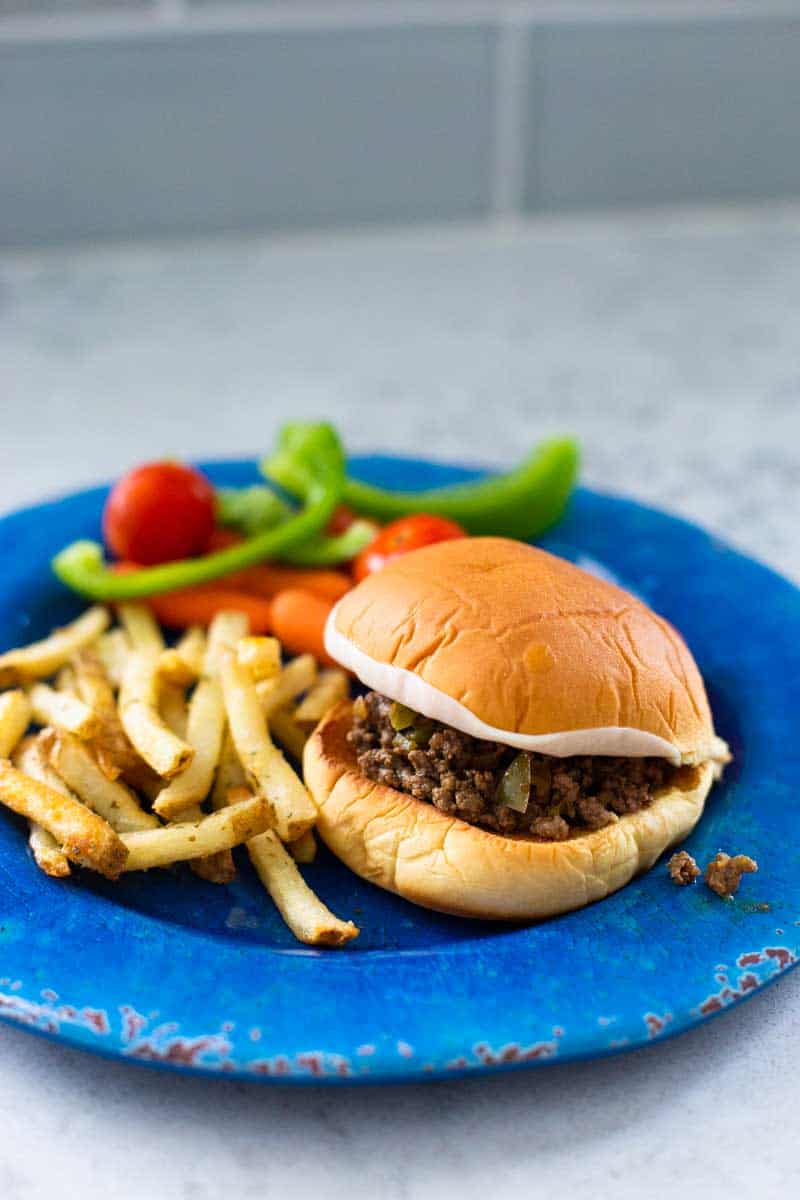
(145, 980)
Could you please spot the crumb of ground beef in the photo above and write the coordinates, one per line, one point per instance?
(683, 869)
(723, 873)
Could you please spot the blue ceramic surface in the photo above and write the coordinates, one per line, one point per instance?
(164, 968)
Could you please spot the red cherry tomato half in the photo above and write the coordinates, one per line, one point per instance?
(159, 512)
(342, 518)
(407, 533)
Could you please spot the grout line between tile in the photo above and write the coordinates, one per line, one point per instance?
(238, 16)
(510, 97)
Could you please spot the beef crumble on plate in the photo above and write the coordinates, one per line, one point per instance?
(495, 786)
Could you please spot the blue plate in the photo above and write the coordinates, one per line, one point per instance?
(166, 969)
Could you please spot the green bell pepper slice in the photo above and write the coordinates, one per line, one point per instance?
(309, 464)
(520, 504)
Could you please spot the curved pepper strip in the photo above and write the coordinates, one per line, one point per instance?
(309, 464)
(520, 504)
(322, 551)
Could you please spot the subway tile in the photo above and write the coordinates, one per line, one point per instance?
(258, 129)
(649, 113)
(21, 8)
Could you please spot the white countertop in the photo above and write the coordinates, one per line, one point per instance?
(669, 344)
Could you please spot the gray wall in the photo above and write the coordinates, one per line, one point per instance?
(145, 118)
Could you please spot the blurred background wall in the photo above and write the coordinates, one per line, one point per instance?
(124, 117)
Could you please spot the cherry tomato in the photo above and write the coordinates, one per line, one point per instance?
(159, 512)
(342, 518)
(407, 533)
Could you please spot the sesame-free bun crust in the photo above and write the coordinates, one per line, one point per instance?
(409, 847)
(531, 644)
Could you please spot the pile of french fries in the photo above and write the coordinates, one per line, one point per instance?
(144, 755)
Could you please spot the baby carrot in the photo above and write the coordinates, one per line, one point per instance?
(198, 606)
(298, 622)
(269, 578)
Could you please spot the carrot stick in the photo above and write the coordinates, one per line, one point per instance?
(267, 579)
(198, 606)
(298, 622)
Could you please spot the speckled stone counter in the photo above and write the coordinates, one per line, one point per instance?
(670, 344)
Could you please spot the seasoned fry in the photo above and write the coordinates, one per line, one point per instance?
(141, 628)
(308, 918)
(65, 680)
(194, 839)
(49, 856)
(160, 748)
(86, 839)
(47, 853)
(113, 751)
(173, 669)
(204, 730)
(304, 850)
(224, 632)
(191, 648)
(63, 711)
(229, 773)
(113, 649)
(107, 797)
(296, 677)
(214, 868)
(261, 656)
(330, 687)
(292, 808)
(15, 715)
(40, 659)
(288, 732)
(173, 709)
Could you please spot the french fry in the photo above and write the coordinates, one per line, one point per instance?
(261, 656)
(291, 736)
(65, 680)
(174, 709)
(195, 839)
(265, 767)
(141, 628)
(304, 850)
(230, 773)
(225, 631)
(41, 659)
(205, 724)
(15, 715)
(160, 748)
(191, 647)
(204, 730)
(296, 677)
(113, 751)
(214, 868)
(63, 710)
(331, 686)
(112, 649)
(183, 663)
(309, 919)
(85, 837)
(46, 851)
(109, 798)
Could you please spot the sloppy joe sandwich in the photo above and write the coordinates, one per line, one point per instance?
(531, 736)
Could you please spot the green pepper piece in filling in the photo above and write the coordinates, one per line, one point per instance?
(401, 716)
(514, 788)
(520, 504)
(309, 464)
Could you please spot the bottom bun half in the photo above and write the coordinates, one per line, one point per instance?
(438, 861)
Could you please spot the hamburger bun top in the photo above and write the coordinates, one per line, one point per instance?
(506, 642)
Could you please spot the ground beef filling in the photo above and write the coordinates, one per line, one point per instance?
(459, 774)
